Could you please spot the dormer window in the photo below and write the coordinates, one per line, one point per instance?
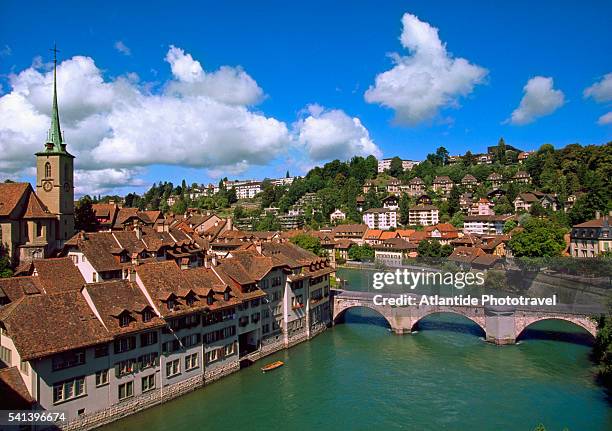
(171, 304)
(147, 315)
(124, 320)
(210, 300)
(226, 296)
(190, 300)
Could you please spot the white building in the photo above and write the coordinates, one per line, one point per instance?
(244, 189)
(385, 164)
(287, 181)
(380, 218)
(485, 224)
(424, 215)
(337, 216)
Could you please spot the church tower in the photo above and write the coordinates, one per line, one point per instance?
(54, 174)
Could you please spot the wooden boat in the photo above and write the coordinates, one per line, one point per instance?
(272, 366)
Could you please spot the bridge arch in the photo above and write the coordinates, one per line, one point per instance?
(585, 323)
(479, 321)
(381, 311)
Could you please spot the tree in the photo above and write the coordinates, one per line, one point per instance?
(594, 200)
(84, 216)
(361, 252)
(537, 210)
(371, 199)
(500, 151)
(268, 223)
(457, 219)
(602, 350)
(442, 155)
(430, 248)
(396, 168)
(308, 242)
(453, 200)
(468, 159)
(404, 208)
(179, 207)
(5, 263)
(539, 238)
(509, 225)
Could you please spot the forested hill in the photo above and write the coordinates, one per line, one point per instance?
(584, 171)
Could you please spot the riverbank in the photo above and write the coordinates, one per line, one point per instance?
(358, 376)
(168, 393)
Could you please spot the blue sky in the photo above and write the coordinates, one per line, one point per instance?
(316, 53)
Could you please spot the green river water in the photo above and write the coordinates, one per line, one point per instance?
(359, 376)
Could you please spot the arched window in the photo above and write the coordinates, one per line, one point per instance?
(47, 170)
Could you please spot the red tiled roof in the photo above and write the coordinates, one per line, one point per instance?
(15, 395)
(10, 195)
(44, 324)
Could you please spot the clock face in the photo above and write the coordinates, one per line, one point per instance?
(66, 187)
(47, 186)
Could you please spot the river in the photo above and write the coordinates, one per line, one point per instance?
(360, 376)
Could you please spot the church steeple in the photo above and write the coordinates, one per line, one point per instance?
(55, 140)
(55, 175)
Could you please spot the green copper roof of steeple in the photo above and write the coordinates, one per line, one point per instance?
(55, 133)
(55, 141)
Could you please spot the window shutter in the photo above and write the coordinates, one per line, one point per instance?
(156, 361)
(117, 370)
(143, 339)
(154, 337)
(132, 342)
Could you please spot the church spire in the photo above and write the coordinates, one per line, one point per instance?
(55, 140)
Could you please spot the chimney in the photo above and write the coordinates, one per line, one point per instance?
(229, 223)
(206, 262)
(597, 215)
(214, 260)
(258, 246)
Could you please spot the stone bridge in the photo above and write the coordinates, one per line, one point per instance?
(501, 325)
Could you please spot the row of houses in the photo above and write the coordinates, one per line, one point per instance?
(148, 328)
(444, 184)
(245, 189)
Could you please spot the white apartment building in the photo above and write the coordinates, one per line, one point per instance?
(424, 215)
(485, 224)
(244, 189)
(380, 218)
(385, 164)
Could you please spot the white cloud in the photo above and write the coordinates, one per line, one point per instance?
(231, 85)
(601, 91)
(429, 79)
(605, 119)
(539, 99)
(122, 48)
(104, 181)
(117, 127)
(332, 134)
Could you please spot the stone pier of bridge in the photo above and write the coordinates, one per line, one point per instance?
(501, 325)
